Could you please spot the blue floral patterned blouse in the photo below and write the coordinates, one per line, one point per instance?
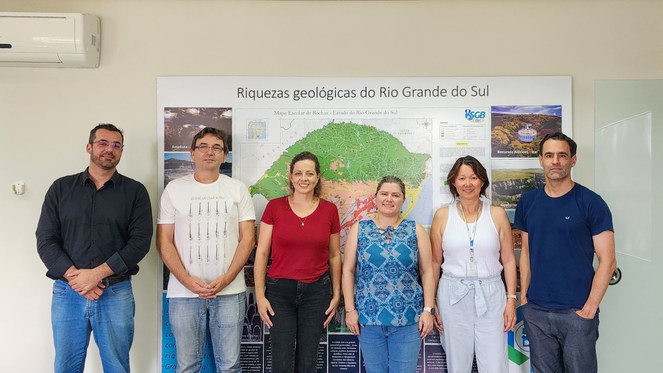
(387, 288)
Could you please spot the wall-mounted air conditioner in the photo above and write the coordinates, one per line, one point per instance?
(49, 40)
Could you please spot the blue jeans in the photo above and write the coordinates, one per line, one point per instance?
(299, 314)
(561, 341)
(392, 349)
(111, 317)
(189, 318)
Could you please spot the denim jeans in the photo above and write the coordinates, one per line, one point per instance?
(299, 313)
(561, 341)
(189, 320)
(111, 317)
(393, 349)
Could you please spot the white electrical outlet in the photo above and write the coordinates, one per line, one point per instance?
(18, 188)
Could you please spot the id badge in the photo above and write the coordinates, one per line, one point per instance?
(471, 269)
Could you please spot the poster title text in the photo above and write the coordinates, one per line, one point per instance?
(334, 93)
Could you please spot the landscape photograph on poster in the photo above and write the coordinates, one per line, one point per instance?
(176, 165)
(509, 184)
(181, 123)
(516, 130)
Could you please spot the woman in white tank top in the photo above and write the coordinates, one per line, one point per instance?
(472, 244)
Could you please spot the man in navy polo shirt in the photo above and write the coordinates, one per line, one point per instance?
(564, 225)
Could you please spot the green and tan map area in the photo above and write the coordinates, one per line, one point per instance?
(353, 158)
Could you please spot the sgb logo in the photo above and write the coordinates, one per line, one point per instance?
(475, 116)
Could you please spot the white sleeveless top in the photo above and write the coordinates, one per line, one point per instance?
(456, 244)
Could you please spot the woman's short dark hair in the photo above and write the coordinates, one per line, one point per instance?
(304, 156)
(476, 166)
(392, 180)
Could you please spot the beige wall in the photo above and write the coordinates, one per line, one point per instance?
(45, 114)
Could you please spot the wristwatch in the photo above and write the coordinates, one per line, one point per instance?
(430, 309)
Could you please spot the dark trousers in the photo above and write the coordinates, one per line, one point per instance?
(561, 341)
(299, 313)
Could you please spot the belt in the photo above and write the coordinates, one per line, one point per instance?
(112, 280)
(461, 286)
(108, 281)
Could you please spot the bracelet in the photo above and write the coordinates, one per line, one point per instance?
(350, 311)
(511, 296)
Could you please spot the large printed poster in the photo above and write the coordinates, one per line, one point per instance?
(361, 129)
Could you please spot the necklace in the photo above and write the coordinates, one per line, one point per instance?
(302, 220)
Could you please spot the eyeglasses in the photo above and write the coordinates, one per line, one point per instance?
(205, 148)
(104, 144)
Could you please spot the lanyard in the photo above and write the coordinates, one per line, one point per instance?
(471, 235)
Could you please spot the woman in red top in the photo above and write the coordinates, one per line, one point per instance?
(298, 297)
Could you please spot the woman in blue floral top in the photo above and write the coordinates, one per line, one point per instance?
(386, 261)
